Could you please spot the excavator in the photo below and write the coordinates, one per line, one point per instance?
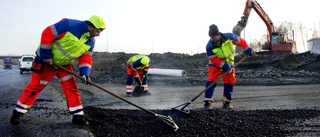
(277, 41)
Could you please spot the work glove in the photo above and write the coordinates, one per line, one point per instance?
(48, 61)
(227, 68)
(249, 52)
(86, 79)
(145, 72)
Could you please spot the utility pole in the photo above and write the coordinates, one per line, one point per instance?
(107, 41)
(198, 49)
(152, 46)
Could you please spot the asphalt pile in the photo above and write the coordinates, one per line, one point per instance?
(110, 68)
(217, 122)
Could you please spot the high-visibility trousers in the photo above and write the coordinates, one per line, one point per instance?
(130, 76)
(228, 79)
(40, 80)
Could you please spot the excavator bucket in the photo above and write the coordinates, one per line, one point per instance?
(237, 29)
(290, 61)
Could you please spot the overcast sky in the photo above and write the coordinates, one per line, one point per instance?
(146, 26)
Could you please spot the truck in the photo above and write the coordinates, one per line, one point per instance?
(7, 63)
(25, 63)
(277, 41)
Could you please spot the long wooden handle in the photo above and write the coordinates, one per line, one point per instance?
(100, 87)
(240, 61)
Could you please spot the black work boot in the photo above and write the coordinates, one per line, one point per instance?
(146, 93)
(79, 120)
(227, 105)
(207, 104)
(15, 118)
(129, 94)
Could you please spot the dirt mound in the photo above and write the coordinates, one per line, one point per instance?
(264, 70)
(110, 122)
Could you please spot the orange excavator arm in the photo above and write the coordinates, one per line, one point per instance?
(250, 4)
(275, 40)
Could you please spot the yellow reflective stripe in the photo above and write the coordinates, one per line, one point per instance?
(63, 51)
(225, 52)
(228, 56)
(141, 67)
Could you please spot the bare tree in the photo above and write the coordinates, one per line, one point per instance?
(287, 28)
(301, 28)
(290, 30)
(315, 32)
(255, 45)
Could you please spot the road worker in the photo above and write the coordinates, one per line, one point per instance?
(220, 52)
(137, 69)
(62, 43)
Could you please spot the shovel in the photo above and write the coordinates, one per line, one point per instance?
(138, 90)
(167, 119)
(184, 105)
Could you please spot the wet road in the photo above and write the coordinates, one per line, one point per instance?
(244, 97)
(49, 115)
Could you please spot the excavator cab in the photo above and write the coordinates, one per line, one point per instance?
(277, 38)
(279, 44)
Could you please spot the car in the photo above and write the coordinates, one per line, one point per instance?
(25, 63)
(7, 63)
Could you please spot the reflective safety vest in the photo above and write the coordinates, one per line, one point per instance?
(135, 58)
(225, 52)
(67, 49)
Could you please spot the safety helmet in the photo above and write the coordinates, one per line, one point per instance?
(97, 21)
(145, 60)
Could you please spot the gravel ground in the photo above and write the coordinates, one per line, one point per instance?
(217, 122)
(269, 100)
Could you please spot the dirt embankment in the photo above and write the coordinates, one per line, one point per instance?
(111, 68)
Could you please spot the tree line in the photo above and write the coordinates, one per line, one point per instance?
(293, 32)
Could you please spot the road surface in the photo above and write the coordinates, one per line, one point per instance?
(49, 115)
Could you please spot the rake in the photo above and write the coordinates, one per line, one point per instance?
(167, 119)
(184, 105)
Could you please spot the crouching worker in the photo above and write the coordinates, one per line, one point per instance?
(137, 69)
(62, 43)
